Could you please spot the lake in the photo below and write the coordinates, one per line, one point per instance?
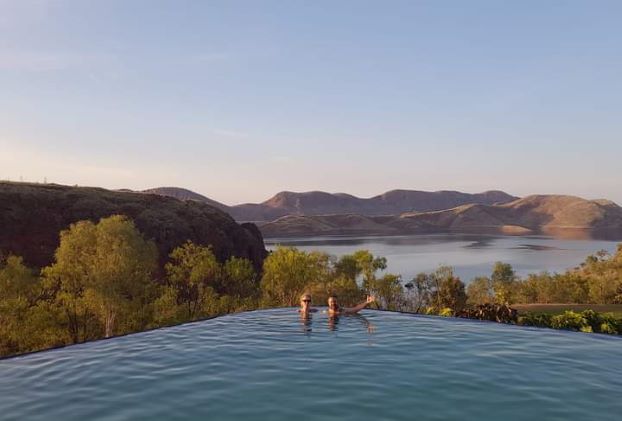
(470, 255)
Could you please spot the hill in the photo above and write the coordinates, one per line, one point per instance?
(390, 203)
(532, 214)
(32, 215)
(321, 203)
(185, 194)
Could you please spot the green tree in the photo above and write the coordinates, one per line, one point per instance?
(193, 274)
(450, 293)
(238, 278)
(67, 279)
(368, 265)
(419, 293)
(288, 272)
(388, 291)
(503, 282)
(18, 294)
(105, 270)
(479, 291)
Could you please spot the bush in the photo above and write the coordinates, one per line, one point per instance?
(587, 321)
(446, 312)
(535, 319)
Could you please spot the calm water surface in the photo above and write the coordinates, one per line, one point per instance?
(470, 255)
(271, 365)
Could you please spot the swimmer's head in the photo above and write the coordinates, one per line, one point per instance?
(305, 301)
(332, 303)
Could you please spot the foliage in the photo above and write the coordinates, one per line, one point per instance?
(480, 291)
(104, 270)
(535, 319)
(192, 273)
(102, 283)
(288, 272)
(503, 281)
(500, 313)
(586, 321)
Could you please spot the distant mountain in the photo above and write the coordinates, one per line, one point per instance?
(321, 203)
(390, 203)
(532, 214)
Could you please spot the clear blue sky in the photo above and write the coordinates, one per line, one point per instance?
(240, 99)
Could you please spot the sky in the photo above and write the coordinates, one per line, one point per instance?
(238, 100)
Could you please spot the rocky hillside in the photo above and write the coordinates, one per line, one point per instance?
(185, 194)
(32, 215)
(533, 214)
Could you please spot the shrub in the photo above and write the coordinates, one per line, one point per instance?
(535, 319)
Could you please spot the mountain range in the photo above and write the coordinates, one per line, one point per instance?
(530, 215)
(410, 211)
(393, 202)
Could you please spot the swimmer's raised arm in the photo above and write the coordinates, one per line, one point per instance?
(370, 299)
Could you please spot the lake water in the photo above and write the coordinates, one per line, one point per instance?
(271, 365)
(470, 255)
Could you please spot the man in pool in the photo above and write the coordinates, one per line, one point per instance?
(335, 310)
(305, 305)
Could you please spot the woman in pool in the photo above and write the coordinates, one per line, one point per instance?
(335, 310)
(305, 305)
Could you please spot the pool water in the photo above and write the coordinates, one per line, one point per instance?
(271, 365)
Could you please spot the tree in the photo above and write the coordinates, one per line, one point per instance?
(105, 270)
(479, 291)
(503, 281)
(388, 291)
(18, 294)
(193, 273)
(67, 279)
(451, 294)
(238, 278)
(419, 292)
(288, 272)
(367, 265)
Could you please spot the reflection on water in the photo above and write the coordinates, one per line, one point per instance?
(535, 247)
(306, 321)
(470, 254)
(333, 321)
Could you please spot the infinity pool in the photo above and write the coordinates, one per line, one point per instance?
(271, 365)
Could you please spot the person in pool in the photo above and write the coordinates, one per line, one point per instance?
(305, 305)
(335, 310)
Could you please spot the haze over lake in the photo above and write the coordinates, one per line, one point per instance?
(470, 255)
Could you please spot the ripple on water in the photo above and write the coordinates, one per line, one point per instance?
(270, 365)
